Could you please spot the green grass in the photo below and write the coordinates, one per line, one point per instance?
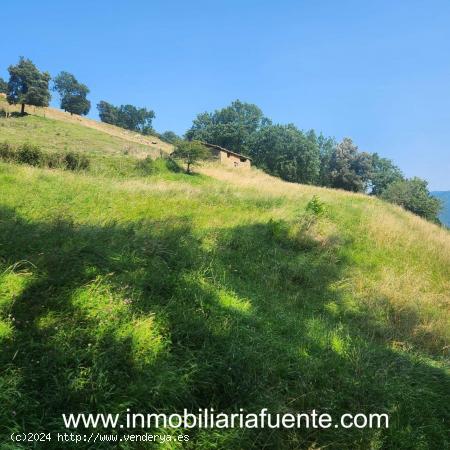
(168, 291)
(110, 155)
(56, 135)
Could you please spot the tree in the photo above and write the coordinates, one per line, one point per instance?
(3, 86)
(72, 93)
(383, 173)
(326, 147)
(413, 195)
(231, 127)
(190, 152)
(108, 113)
(135, 119)
(170, 137)
(127, 116)
(285, 151)
(349, 168)
(27, 85)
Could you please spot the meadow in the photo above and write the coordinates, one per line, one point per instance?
(161, 291)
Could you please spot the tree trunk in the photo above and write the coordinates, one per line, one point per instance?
(22, 110)
(188, 167)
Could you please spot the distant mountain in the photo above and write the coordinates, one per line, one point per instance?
(445, 214)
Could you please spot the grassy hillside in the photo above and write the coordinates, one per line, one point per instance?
(169, 291)
(113, 151)
(444, 196)
(62, 133)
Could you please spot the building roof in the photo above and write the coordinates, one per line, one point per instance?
(222, 149)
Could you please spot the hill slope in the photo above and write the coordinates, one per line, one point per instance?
(169, 291)
(445, 213)
(64, 130)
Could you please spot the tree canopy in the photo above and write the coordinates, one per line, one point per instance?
(107, 112)
(72, 94)
(3, 86)
(413, 195)
(383, 173)
(305, 157)
(127, 116)
(287, 152)
(349, 168)
(231, 127)
(27, 85)
(170, 137)
(190, 152)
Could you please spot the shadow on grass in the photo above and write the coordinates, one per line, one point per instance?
(146, 317)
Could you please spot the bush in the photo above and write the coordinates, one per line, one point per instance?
(55, 160)
(315, 207)
(76, 161)
(30, 154)
(7, 152)
(172, 165)
(308, 234)
(150, 166)
(146, 166)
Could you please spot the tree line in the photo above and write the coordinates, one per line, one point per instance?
(306, 157)
(127, 116)
(281, 150)
(27, 85)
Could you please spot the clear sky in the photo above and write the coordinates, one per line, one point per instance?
(378, 72)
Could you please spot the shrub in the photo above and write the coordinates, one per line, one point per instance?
(315, 207)
(146, 166)
(30, 154)
(172, 165)
(7, 152)
(150, 166)
(54, 160)
(76, 161)
(308, 235)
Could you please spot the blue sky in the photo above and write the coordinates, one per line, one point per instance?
(378, 72)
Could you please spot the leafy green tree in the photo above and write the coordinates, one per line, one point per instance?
(285, 151)
(349, 168)
(72, 93)
(135, 119)
(27, 85)
(309, 158)
(127, 116)
(326, 146)
(383, 173)
(108, 113)
(170, 137)
(191, 153)
(413, 195)
(231, 127)
(3, 86)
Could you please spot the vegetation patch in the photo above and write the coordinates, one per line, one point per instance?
(32, 155)
(150, 166)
